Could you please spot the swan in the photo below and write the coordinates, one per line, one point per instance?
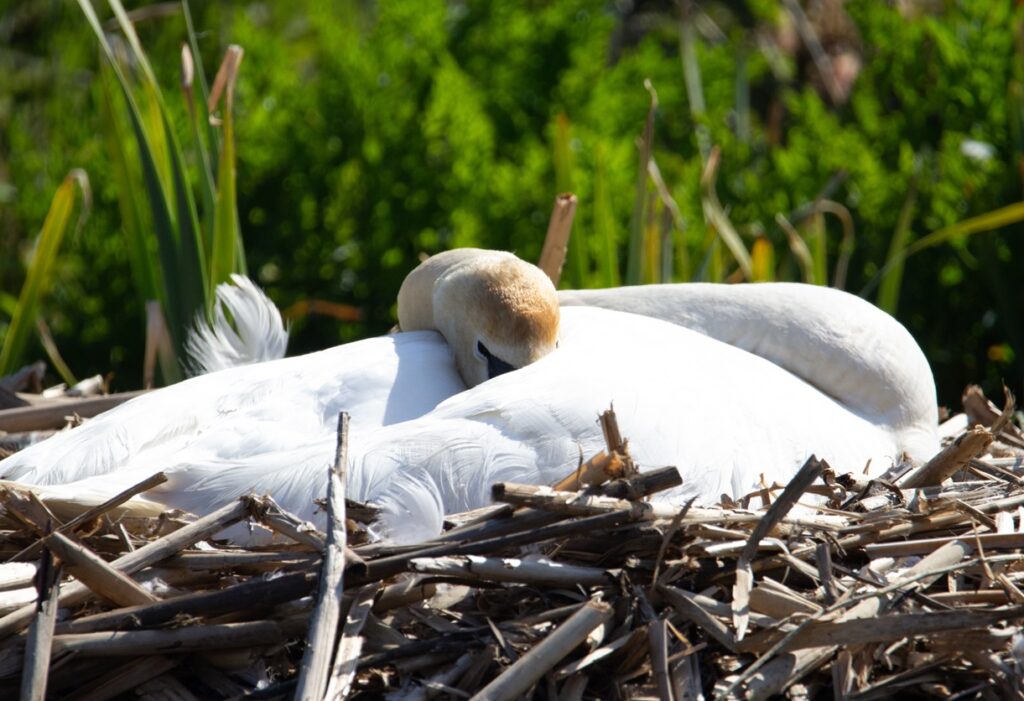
(845, 346)
(841, 344)
(729, 420)
(472, 315)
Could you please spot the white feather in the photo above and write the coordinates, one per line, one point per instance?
(246, 329)
(725, 418)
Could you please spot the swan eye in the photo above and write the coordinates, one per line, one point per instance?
(495, 365)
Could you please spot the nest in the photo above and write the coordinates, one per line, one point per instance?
(833, 586)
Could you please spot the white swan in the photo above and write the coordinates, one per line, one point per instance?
(837, 342)
(843, 345)
(475, 299)
(726, 418)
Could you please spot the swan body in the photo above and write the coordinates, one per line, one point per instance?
(841, 344)
(835, 341)
(242, 412)
(729, 420)
(471, 301)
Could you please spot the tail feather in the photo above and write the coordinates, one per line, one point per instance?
(253, 333)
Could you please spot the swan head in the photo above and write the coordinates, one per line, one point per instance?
(496, 311)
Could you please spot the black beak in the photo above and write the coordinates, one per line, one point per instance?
(495, 365)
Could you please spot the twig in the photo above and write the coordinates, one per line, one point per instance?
(533, 665)
(543, 572)
(316, 661)
(350, 644)
(145, 556)
(811, 471)
(53, 415)
(96, 574)
(556, 241)
(39, 641)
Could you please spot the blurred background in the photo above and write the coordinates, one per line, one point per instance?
(876, 146)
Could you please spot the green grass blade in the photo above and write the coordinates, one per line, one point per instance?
(225, 233)
(635, 263)
(604, 222)
(576, 259)
(40, 271)
(762, 258)
(716, 217)
(175, 219)
(197, 112)
(162, 221)
(202, 106)
(889, 291)
(990, 221)
(115, 132)
(819, 248)
(798, 247)
(53, 353)
(191, 263)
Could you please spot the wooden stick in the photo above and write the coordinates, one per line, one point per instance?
(494, 569)
(126, 677)
(388, 566)
(556, 241)
(76, 592)
(277, 519)
(657, 639)
(257, 561)
(96, 574)
(516, 679)
(811, 471)
(39, 642)
(955, 456)
(402, 593)
(346, 658)
(54, 415)
(316, 661)
(766, 678)
(926, 545)
(576, 504)
(192, 638)
(98, 510)
(256, 594)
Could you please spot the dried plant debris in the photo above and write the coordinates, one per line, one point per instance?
(833, 587)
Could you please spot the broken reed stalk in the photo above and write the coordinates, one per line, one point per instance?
(494, 569)
(320, 647)
(39, 642)
(350, 645)
(256, 594)
(769, 675)
(204, 637)
(958, 454)
(95, 573)
(54, 415)
(149, 554)
(529, 668)
(98, 510)
(556, 241)
(804, 478)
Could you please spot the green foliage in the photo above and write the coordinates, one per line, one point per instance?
(368, 133)
(192, 259)
(40, 275)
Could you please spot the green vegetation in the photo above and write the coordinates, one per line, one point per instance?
(366, 134)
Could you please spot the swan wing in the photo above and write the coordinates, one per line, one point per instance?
(840, 343)
(246, 411)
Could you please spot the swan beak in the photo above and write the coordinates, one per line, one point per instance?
(496, 366)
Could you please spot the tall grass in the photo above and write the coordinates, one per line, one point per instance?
(42, 267)
(195, 249)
